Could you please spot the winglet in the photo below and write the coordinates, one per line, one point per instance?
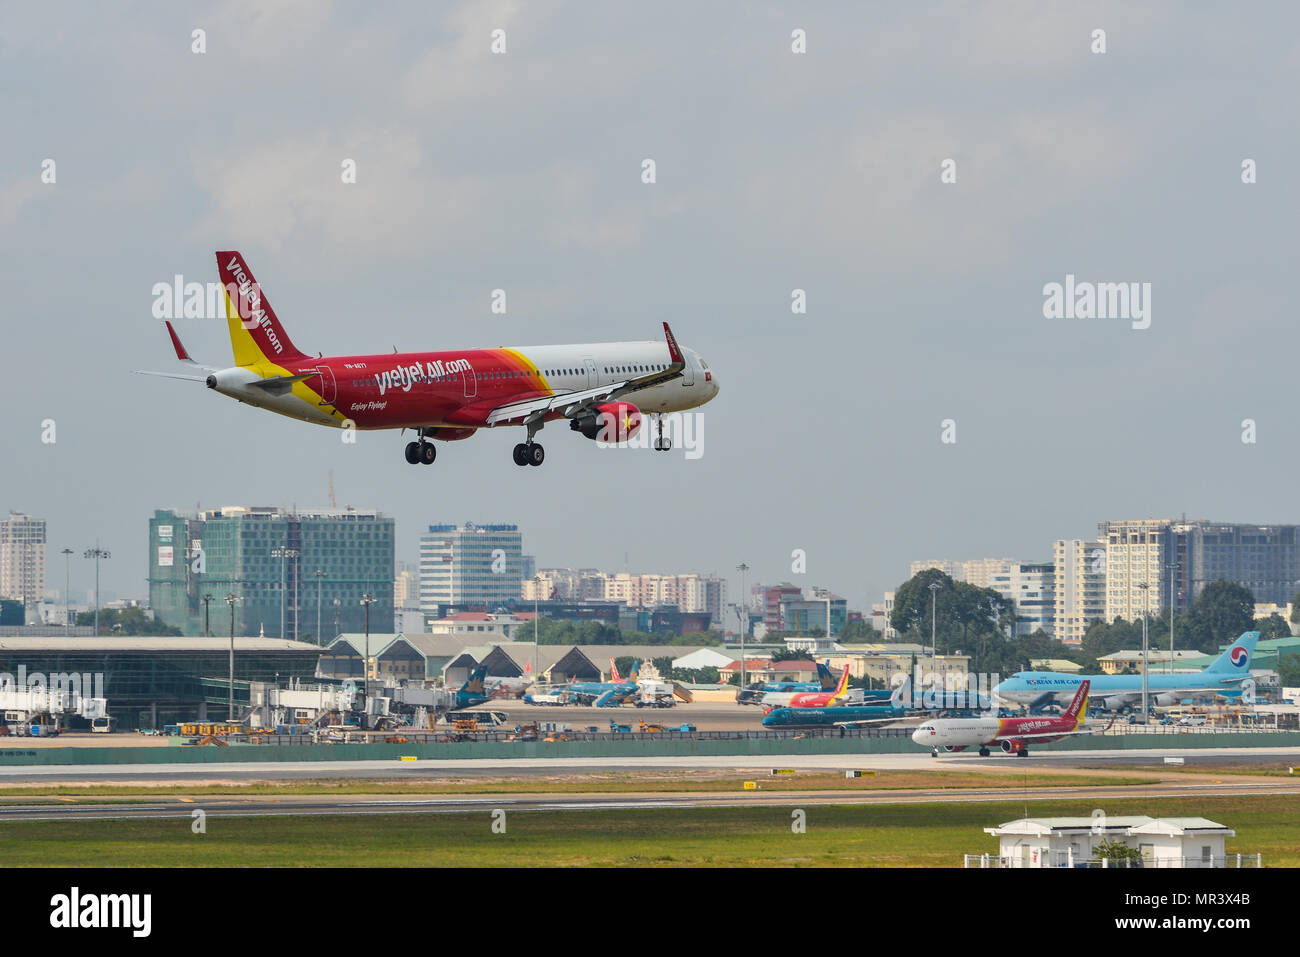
(674, 352)
(176, 344)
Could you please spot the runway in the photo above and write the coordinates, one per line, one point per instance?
(471, 767)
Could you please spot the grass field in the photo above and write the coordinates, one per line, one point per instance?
(594, 783)
(934, 835)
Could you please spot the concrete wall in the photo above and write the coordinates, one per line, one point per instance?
(629, 746)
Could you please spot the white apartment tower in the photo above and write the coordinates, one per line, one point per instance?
(1136, 553)
(1080, 592)
(22, 559)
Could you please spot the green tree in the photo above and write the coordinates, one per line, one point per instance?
(1117, 853)
(1220, 613)
(788, 655)
(126, 621)
(1274, 626)
(857, 632)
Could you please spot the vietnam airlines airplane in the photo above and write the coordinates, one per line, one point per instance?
(450, 394)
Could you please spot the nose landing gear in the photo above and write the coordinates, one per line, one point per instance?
(661, 444)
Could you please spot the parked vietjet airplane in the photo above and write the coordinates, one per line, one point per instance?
(449, 395)
(1011, 734)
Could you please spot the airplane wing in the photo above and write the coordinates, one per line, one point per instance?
(569, 404)
(172, 375)
(1047, 734)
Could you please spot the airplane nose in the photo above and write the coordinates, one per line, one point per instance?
(917, 736)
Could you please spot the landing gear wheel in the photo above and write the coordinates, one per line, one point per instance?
(661, 444)
(413, 453)
(934, 752)
(984, 752)
(536, 454)
(428, 452)
(521, 454)
(1023, 752)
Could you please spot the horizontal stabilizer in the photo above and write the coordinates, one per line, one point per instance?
(172, 375)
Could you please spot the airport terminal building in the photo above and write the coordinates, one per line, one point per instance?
(151, 682)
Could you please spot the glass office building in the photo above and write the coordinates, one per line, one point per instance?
(270, 558)
(477, 567)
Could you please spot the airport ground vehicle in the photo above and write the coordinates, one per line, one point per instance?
(103, 725)
(483, 719)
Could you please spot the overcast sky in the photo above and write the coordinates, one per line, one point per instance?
(775, 171)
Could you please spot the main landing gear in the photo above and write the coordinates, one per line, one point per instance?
(421, 452)
(530, 452)
(661, 444)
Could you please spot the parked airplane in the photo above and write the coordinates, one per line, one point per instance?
(600, 693)
(844, 715)
(449, 395)
(811, 699)
(473, 691)
(1223, 677)
(754, 693)
(498, 686)
(1011, 734)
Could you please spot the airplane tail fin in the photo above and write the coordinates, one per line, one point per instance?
(635, 674)
(256, 335)
(1079, 704)
(474, 683)
(1236, 660)
(826, 676)
(843, 685)
(613, 672)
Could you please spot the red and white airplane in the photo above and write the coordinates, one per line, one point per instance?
(451, 394)
(1012, 735)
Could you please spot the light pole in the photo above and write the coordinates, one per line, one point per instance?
(67, 586)
(1145, 586)
(367, 600)
(1173, 567)
(97, 553)
(231, 598)
(207, 631)
(284, 553)
(743, 567)
(319, 575)
(934, 590)
(537, 590)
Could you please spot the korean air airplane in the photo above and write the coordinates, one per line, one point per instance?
(601, 389)
(1223, 677)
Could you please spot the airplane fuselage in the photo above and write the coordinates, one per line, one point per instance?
(455, 389)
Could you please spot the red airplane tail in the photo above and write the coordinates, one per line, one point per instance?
(1079, 705)
(255, 332)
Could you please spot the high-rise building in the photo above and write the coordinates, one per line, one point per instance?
(1079, 571)
(22, 559)
(1263, 558)
(979, 572)
(1032, 587)
(1136, 553)
(774, 596)
(269, 557)
(470, 566)
(801, 615)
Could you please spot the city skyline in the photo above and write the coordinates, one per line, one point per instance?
(889, 419)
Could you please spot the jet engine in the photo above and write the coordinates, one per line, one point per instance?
(610, 422)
